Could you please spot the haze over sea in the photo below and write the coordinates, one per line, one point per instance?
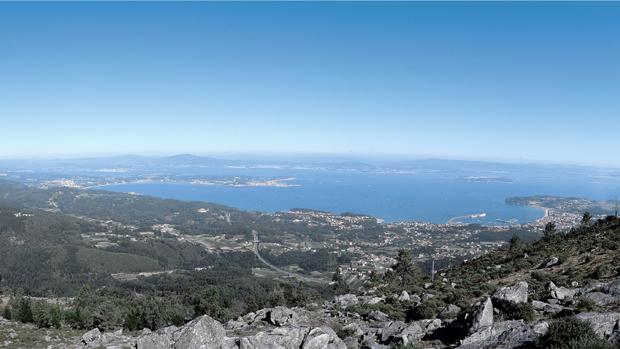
(430, 197)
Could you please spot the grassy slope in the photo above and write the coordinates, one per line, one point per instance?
(585, 253)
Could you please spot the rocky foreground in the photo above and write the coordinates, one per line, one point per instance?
(333, 326)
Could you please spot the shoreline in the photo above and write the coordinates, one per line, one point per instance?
(270, 183)
(454, 221)
(546, 213)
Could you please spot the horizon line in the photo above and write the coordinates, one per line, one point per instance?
(317, 155)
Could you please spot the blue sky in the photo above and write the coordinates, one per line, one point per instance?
(509, 81)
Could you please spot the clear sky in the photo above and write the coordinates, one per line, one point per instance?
(512, 81)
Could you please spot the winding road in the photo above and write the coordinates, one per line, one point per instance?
(282, 271)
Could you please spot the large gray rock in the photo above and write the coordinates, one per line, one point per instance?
(614, 339)
(370, 332)
(450, 311)
(391, 332)
(414, 298)
(322, 338)
(397, 332)
(418, 329)
(551, 262)
(404, 296)
(160, 339)
(600, 298)
(483, 317)
(603, 324)
(561, 292)
(490, 333)
(230, 343)
(505, 334)
(92, 338)
(235, 325)
(427, 296)
(346, 300)
(513, 294)
(372, 344)
(282, 316)
(277, 338)
(256, 317)
(200, 333)
(612, 288)
(546, 307)
(371, 300)
(353, 329)
(351, 343)
(116, 340)
(378, 315)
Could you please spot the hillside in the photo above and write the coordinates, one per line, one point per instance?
(562, 291)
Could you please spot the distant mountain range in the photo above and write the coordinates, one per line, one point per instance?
(189, 160)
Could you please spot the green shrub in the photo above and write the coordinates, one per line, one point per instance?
(602, 271)
(40, 314)
(538, 288)
(6, 313)
(403, 346)
(585, 304)
(571, 333)
(428, 310)
(518, 311)
(343, 333)
(588, 343)
(20, 310)
(55, 317)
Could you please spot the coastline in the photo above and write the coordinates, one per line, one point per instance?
(499, 222)
(546, 212)
(483, 219)
(273, 183)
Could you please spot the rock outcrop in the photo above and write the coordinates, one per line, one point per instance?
(282, 316)
(449, 312)
(404, 297)
(418, 329)
(92, 338)
(112, 340)
(322, 338)
(513, 294)
(551, 262)
(560, 293)
(371, 300)
(201, 333)
(298, 328)
(160, 339)
(285, 329)
(505, 334)
(483, 317)
(546, 307)
(277, 338)
(377, 315)
(346, 300)
(603, 324)
(600, 298)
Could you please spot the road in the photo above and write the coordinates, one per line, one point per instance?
(282, 271)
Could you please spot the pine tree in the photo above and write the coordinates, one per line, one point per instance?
(550, 230)
(515, 244)
(24, 313)
(340, 285)
(404, 268)
(587, 217)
